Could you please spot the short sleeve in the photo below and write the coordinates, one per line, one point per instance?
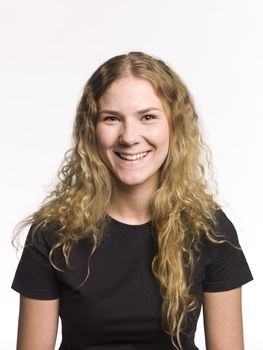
(35, 277)
(226, 267)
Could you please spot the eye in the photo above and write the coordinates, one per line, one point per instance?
(149, 117)
(110, 119)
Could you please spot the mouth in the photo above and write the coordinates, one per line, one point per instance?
(132, 157)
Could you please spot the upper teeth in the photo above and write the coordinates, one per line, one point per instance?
(132, 156)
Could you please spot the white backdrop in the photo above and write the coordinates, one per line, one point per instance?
(49, 49)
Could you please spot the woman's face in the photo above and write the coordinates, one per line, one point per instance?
(132, 132)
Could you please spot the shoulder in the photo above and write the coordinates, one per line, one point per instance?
(224, 228)
(222, 259)
(223, 238)
(43, 235)
(40, 240)
(35, 277)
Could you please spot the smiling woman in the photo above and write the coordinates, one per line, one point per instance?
(131, 243)
(132, 142)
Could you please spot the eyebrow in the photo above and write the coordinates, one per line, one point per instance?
(142, 111)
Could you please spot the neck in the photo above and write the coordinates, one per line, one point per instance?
(131, 205)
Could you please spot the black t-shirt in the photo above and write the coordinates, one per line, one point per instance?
(119, 305)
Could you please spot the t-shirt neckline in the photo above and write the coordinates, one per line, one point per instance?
(121, 224)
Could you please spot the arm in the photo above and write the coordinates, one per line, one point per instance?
(38, 323)
(223, 320)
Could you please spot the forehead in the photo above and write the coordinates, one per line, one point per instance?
(130, 92)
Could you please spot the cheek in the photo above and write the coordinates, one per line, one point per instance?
(162, 136)
(100, 136)
(105, 138)
(100, 140)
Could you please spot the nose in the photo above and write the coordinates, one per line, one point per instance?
(130, 133)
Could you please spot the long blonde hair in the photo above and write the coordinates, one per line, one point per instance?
(183, 206)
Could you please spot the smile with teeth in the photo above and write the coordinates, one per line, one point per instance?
(132, 156)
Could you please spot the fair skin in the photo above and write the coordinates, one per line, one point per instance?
(38, 323)
(132, 124)
(223, 320)
(132, 135)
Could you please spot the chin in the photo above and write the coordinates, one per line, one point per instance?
(135, 181)
(130, 183)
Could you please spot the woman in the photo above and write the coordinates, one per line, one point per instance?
(131, 242)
